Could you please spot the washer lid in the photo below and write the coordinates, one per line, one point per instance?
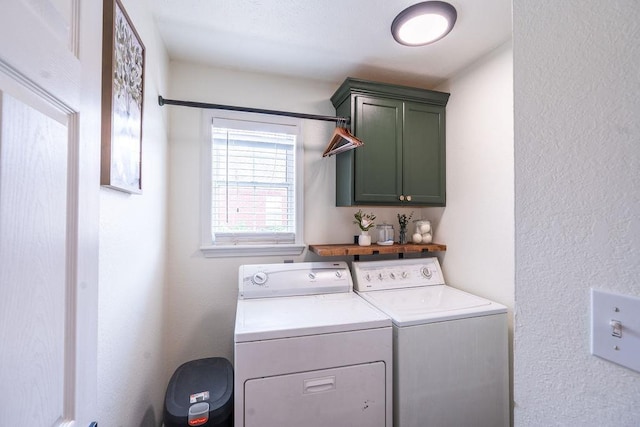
(285, 317)
(428, 304)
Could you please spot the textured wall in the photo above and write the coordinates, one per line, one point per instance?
(131, 347)
(577, 165)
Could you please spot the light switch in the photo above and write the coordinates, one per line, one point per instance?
(615, 328)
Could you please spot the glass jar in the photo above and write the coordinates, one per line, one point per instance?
(385, 234)
(403, 236)
(422, 232)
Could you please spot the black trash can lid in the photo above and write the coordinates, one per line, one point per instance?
(204, 380)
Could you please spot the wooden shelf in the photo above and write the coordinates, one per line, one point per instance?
(373, 249)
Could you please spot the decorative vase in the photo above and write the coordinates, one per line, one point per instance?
(364, 239)
(403, 236)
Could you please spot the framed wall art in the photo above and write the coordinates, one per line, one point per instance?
(123, 56)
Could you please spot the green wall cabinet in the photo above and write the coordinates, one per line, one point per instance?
(402, 161)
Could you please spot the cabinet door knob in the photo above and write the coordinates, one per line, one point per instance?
(401, 198)
(408, 198)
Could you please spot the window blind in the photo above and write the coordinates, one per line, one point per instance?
(253, 186)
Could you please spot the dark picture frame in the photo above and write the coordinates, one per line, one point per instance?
(123, 60)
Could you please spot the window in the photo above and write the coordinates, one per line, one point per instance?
(252, 202)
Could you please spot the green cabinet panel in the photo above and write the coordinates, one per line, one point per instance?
(423, 159)
(402, 161)
(378, 176)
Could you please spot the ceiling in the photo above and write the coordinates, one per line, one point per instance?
(327, 40)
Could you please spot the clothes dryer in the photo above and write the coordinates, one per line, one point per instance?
(450, 348)
(309, 351)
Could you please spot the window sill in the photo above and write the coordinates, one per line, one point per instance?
(251, 250)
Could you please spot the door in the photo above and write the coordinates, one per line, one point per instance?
(49, 175)
(378, 163)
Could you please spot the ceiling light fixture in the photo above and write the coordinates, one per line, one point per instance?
(423, 23)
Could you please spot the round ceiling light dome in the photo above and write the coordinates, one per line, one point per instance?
(423, 23)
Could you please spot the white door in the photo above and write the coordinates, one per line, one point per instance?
(49, 183)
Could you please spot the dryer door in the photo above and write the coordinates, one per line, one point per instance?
(347, 396)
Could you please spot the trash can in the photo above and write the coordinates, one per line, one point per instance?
(200, 393)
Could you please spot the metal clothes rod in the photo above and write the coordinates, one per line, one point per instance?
(163, 101)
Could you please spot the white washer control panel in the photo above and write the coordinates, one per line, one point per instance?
(304, 278)
(401, 273)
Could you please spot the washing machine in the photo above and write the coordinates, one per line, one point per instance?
(309, 351)
(450, 349)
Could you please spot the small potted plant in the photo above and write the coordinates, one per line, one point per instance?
(403, 220)
(365, 223)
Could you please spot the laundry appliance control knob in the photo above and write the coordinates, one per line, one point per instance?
(260, 278)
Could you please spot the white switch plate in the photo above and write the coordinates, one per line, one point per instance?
(606, 308)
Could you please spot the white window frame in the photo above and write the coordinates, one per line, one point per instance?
(209, 247)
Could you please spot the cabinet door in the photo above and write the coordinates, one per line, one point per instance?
(378, 163)
(423, 155)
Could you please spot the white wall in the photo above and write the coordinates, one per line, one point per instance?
(131, 347)
(203, 292)
(577, 160)
(477, 224)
